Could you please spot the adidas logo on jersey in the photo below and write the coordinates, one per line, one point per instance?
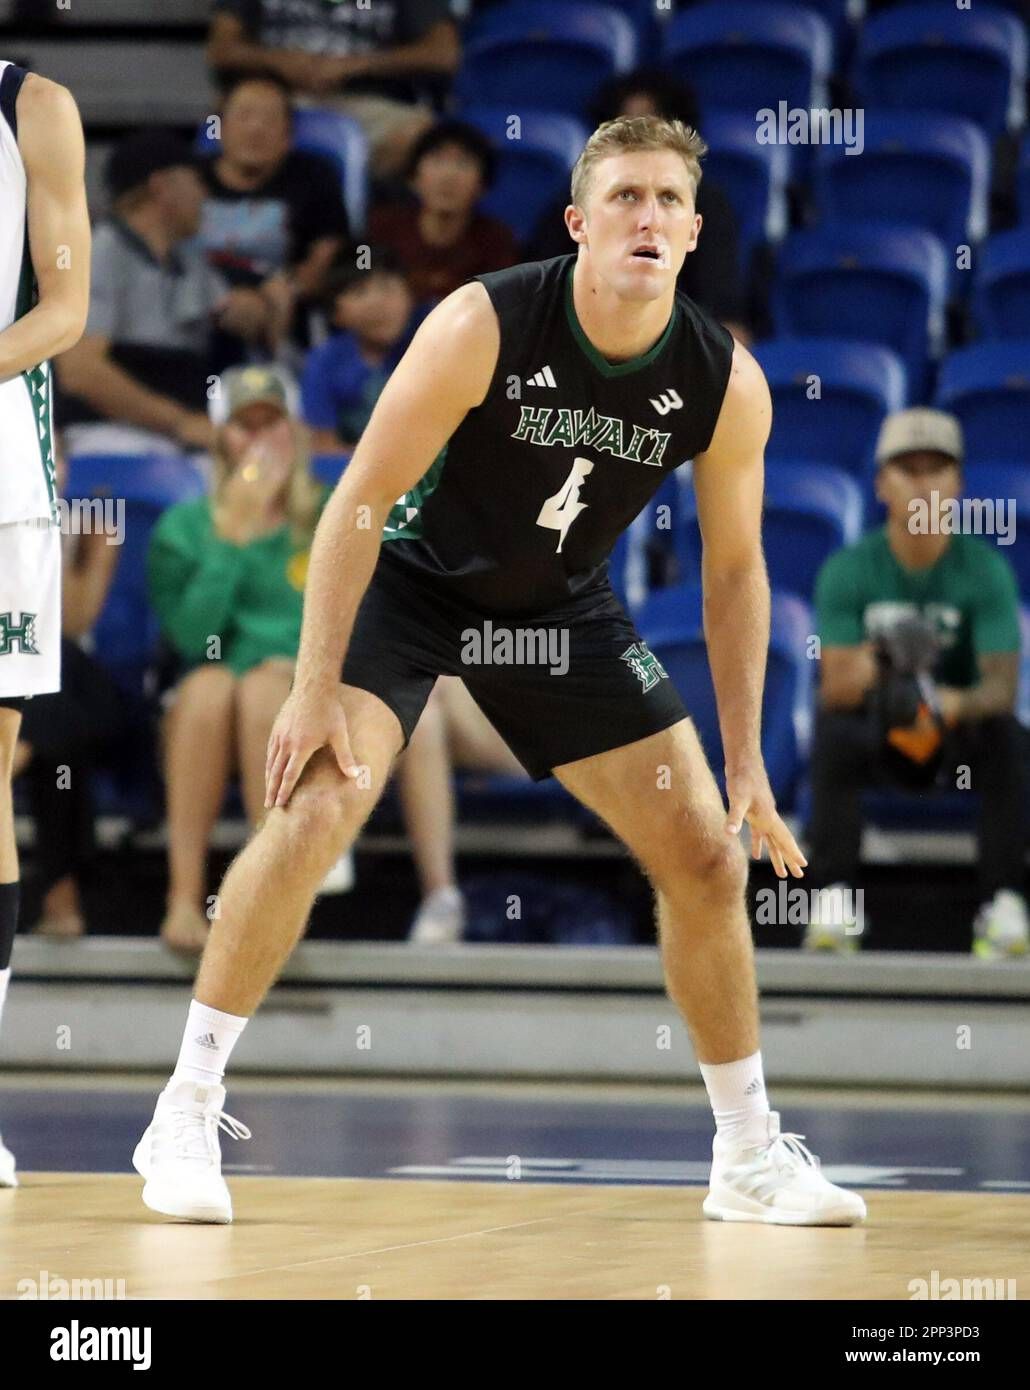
(544, 377)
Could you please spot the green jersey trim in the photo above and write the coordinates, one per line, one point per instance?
(606, 368)
(404, 522)
(37, 381)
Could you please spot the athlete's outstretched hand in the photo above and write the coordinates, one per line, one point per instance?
(307, 721)
(750, 799)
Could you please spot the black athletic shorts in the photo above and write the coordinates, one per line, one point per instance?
(557, 687)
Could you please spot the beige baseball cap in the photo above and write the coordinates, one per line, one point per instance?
(917, 430)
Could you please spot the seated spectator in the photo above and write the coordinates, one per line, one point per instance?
(273, 217)
(373, 315)
(362, 60)
(440, 238)
(711, 275)
(453, 732)
(65, 734)
(226, 576)
(920, 639)
(137, 381)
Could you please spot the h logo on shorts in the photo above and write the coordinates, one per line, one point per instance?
(24, 633)
(645, 665)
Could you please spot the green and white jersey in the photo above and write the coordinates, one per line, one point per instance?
(27, 487)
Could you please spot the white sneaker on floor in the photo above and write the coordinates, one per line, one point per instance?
(1001, 928)
(340, 878)
(179, 1156)
(777, 1183)
(834, 924)
(440, 920)
(8, 1176)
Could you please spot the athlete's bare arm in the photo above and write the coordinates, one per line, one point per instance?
(444, 374)
(728, 482)
(53, 151)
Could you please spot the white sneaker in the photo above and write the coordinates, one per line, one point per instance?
(440, 920)
(8, 1177)
(778, 1183)
(179, 1155)
(1001, 928)
(834, 925)
(340, 878)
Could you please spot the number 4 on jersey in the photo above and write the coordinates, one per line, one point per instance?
(561, 510)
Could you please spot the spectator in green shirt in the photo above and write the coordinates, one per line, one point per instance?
(914, 584)
(226, 576)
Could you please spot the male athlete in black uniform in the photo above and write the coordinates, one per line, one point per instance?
(533, 416)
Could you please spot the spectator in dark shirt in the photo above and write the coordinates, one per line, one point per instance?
(137, 381)
(371, 61)
(711, 275)
(441, 240)
(374, 317)
(274, 217)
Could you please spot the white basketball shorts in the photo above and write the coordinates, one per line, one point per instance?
(30, 607)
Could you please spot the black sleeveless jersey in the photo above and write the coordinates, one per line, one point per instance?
(521, 508)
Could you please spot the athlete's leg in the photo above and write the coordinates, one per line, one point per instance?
(198, 750)
(660, 798)
(10, 721)
(259, 697)
(267, 893)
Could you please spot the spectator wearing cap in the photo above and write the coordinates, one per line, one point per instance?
(226, 576)
(440, 238)
(373, 316)
(137, 382)
(273, 216)
(919, 630)
(373, 62)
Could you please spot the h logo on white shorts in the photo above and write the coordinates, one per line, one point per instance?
(24, 633)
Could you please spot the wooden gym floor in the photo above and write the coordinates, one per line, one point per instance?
(599, 1225)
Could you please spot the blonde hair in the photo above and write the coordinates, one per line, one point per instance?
(303, 492)
(627, 133)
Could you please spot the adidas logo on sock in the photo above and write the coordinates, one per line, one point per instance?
(207, 1040)
(753, 1087)
(544, 377)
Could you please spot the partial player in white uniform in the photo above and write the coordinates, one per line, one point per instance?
(44, 294)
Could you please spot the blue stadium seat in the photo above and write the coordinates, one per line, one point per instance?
(1023, 179)
(810, 511)
(988, 387)
(327, 468)
(1008, 485)
(343, 140)
(937, 57)
(858, 384)
(1001, 292)
(754, 177)
(671, 624)
(340, 138)
(875, 284)
(126, 632)
(925, 170)
(750, 56)
(556, 56)
(533, 170)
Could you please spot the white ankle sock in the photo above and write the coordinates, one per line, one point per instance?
(5, 980)
(207, 1044)
(739, 1102)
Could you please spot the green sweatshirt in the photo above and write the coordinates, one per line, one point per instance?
(250, 597)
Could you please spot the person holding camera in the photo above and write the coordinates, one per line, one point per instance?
(920, 638)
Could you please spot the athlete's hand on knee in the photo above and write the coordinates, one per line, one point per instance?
(306, 723)
(750, 799)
